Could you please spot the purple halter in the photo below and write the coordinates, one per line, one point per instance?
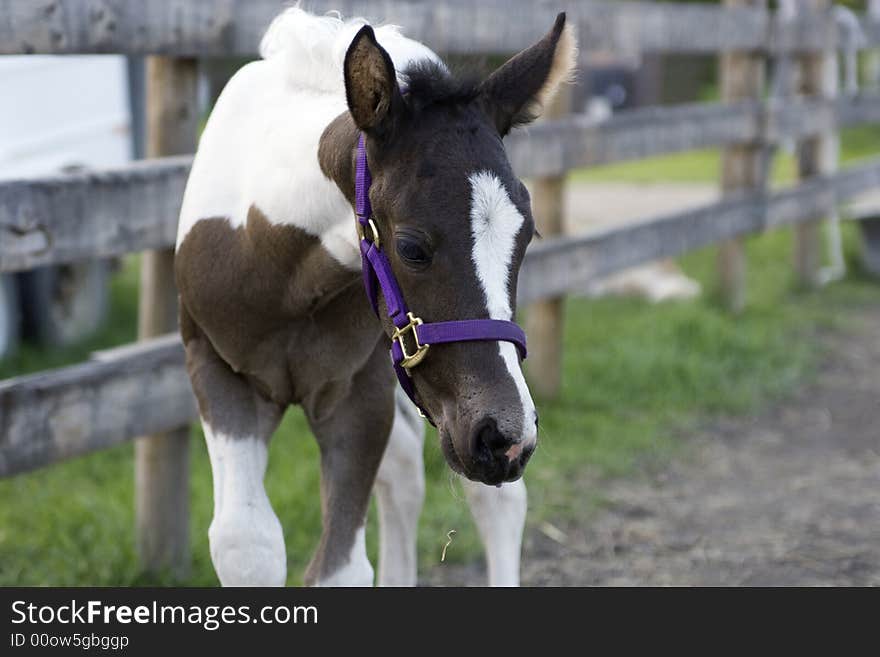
(408, 327)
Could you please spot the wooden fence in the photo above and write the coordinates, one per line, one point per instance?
(142, 389)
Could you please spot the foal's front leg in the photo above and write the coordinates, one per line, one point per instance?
(500, 515)
(247, 544)
(245, 536)
(352, 432)
(400, 492)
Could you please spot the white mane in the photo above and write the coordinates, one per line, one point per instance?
(312, 48)
(260, 144)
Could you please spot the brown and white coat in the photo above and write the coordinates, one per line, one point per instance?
(273, 312)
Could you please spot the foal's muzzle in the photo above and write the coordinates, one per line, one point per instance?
(484, 453)
(498, 458)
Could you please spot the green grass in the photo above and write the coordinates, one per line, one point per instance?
(636, 377)
(704, 166)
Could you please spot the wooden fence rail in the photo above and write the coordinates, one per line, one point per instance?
(553, 267)
(579, 141)
(119, 394)
(70, 217)
(187, 28)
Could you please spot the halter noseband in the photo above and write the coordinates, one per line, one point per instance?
(407, 326)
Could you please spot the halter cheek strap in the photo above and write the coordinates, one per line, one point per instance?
(411, 337)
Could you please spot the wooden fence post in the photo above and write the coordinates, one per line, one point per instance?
(816, 155)
(742, 78)
(545, 318)
(162, 460)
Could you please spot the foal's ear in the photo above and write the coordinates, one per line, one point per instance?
(370, 83)
(517, 92)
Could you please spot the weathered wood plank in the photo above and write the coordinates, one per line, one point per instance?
(120, 393)
(576, 141)
(234, 27)
(854, 110)
(66, 218)
(91, 214)
(550, 148)
(178, 27)
(553, 267)
(819, 194)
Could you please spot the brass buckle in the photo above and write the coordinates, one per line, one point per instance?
(374, 237)
(416, 357)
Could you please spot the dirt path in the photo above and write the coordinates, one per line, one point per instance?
(788, 497)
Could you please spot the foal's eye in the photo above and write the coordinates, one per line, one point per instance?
(411, 251)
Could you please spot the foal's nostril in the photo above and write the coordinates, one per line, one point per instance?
(488, 440)
(495, 456)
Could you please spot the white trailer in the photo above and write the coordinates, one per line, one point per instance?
(60, 114)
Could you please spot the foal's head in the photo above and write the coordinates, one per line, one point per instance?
(454, 221)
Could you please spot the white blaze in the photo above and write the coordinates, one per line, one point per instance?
(495, 223)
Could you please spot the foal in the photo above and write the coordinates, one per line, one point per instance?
(273, 310)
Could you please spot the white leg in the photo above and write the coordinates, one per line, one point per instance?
(500, 514)
(400, 492)
(247, 544)
(358, 571)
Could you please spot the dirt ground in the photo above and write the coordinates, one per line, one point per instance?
(790, 496)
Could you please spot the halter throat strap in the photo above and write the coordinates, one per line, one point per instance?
(412, 337)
